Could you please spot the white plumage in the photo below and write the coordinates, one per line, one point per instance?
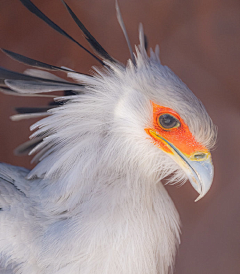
(95, 202)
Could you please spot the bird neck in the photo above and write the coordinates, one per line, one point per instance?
(123, 221)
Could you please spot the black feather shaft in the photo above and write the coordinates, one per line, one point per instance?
(145, 42)
(91, 40)
(32, 8)
(8, 74)
(34, 63)
(24, 110)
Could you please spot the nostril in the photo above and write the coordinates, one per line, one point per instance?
(199, 156)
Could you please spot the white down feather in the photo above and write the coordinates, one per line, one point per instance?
(95, 202)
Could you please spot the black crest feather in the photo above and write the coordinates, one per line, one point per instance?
(91, 40)
(32, 8)
(6, 74)
(32, 62)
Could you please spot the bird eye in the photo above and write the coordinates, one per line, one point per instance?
(167, 121)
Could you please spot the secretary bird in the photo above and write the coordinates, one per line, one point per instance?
(95, 202)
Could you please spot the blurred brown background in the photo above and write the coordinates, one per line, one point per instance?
(199, 40)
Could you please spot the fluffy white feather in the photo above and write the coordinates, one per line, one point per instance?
(95, 202)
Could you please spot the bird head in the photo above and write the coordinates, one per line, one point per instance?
(158, 125)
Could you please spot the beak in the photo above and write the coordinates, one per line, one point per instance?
(199, 170)
(198, 167)
(200, 173)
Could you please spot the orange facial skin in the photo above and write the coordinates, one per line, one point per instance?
(180, 137)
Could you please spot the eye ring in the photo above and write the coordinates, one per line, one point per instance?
(168, 121)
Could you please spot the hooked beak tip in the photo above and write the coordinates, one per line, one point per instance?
(201, 176)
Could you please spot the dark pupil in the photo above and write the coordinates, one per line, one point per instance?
(167, 121)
